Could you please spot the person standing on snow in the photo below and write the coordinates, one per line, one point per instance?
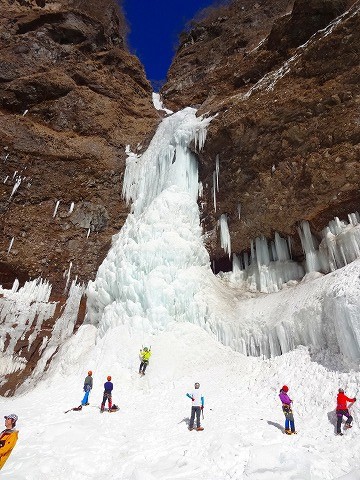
(88, 384)
(8, 438)
(197, 406)
(342, 410)
(145, 355)
(108, 388)
(286, 407)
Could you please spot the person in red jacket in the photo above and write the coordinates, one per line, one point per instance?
(342, 410)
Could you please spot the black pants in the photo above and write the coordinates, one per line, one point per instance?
(339, 414)
(143, 366)
(195, 410)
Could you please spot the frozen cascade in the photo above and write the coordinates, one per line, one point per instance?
(158, 271)
(151, 273)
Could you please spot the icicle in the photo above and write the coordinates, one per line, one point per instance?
(14, 175)
(88, 233)
(15, 187)
(10, 245)
(68, 273)
(239, 210)
(71, 207)
(309, 248)
(6, 157)
(214, 190)
(200, 190)
(56, 208)
(225, 234)
(25, 112)
(6, 178)
(217, 171)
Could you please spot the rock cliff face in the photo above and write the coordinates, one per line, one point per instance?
(284, 82)
(71, 98)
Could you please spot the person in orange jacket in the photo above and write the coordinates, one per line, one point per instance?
(8, 438)
(342, 410)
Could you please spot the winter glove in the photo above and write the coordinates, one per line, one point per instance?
(202, 407)
(354, 399)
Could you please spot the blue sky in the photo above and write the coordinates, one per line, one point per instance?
(155, 25)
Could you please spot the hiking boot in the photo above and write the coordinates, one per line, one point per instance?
(191, 428)
(287, 431)
(341, 434)
(347, 425)
(199, 429)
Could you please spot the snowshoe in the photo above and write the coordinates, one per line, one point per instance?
(200, 429)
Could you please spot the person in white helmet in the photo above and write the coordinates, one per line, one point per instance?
(197, 406)
(8, 438)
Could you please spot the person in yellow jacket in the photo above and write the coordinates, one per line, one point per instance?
(8, 438)
(145, 355)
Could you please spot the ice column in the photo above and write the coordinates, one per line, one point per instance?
(148, 277)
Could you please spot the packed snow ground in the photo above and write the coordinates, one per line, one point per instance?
(148, 438)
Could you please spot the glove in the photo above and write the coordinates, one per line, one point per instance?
(202, 407)
(354, 399)
(192, 399)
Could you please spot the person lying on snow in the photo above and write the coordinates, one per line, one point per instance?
(8, 438)
(342, 410)
(286, 407)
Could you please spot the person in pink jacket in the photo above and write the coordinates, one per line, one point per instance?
(286, 407)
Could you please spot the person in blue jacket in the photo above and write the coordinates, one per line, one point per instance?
(196, 408)
(108, 388)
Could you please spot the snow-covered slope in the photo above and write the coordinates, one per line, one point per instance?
(148, 438)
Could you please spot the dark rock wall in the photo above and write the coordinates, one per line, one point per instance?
(289, 151)
(71, 98)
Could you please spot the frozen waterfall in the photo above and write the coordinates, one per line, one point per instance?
(151, 274)
(158, 270)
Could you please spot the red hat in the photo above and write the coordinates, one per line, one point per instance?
(285, 388)
(109, 378)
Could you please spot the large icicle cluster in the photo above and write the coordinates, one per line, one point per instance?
(270, 266)
(23, 312)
